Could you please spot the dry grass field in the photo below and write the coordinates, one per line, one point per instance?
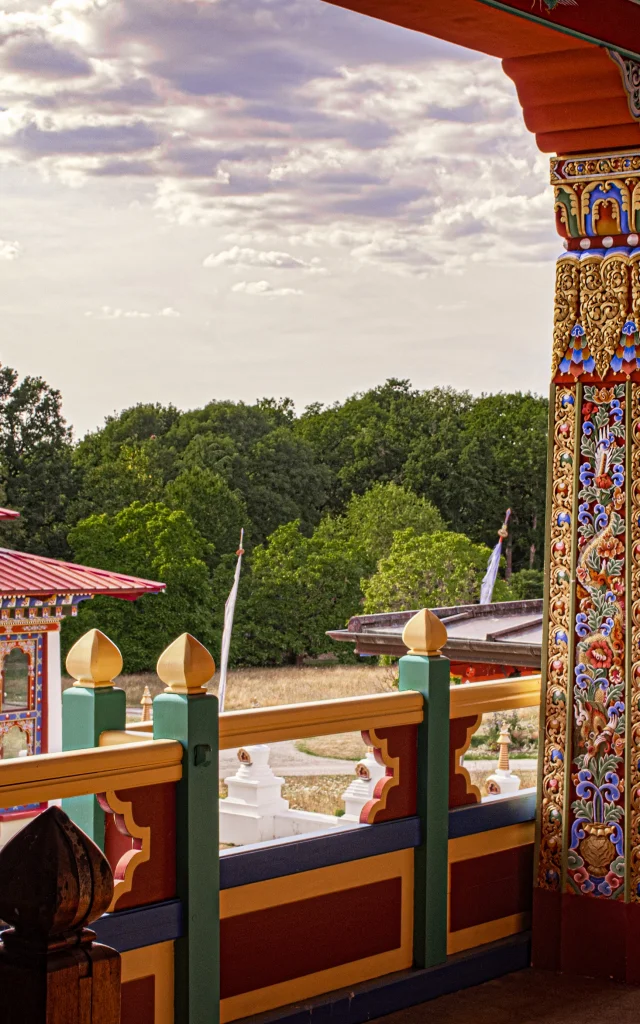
(265, 687)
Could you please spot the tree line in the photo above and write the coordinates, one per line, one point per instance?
(388, 500)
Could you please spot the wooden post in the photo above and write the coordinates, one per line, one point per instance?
(424, 669)
(53, 882)
(187, 713)
(89, 707)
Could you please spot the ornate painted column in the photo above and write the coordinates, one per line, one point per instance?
(587, 896)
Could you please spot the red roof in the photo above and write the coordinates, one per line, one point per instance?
(35, 576)
(8, 513)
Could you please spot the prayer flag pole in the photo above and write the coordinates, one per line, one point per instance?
(229, 610)
(489, 581)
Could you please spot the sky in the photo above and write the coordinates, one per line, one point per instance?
(209, 199)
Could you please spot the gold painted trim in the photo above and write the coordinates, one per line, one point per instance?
(498, 839)
(489, 931)
(320, 718)
(274, 892)
(497, 695)
(154, 960)
(96, 770)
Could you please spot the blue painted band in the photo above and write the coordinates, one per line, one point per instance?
(467, 821)
(261, 861)
(373, 999)
(140, 926)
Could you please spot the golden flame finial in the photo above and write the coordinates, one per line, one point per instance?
(186, 666)
(94, 660)
(424, 634)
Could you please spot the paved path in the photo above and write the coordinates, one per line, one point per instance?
(529, 997)
(286, 759)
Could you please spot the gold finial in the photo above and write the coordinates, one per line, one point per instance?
(424, 633)
(186, 666)
(147, 704)
(505, 742)
(94, 661)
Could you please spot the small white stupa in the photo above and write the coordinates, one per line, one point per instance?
(503, 782)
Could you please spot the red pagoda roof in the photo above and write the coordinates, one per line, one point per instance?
(8, 513)
(27, 575)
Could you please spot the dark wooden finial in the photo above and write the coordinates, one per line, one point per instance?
(53, 880)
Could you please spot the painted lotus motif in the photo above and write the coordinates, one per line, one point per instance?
(596, 857)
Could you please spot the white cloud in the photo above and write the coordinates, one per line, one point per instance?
(263, 288)
(9, 250)
(335, 125)
(115, 313)
(239, 256)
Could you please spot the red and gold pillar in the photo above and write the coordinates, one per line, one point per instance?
(587, 897)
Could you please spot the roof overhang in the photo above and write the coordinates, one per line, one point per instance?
(571, 88)
(502, 633)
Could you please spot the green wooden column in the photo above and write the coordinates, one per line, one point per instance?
(89, 707)
(190, 715)
(425, 670)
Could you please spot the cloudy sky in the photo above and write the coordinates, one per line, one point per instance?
(236, 198)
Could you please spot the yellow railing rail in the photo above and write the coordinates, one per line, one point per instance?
(28, 780)
(350, 714)
(319, 718)
(495, 695)
(116, 737)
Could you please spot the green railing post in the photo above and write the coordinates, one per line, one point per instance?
(89, 707)
(424, 669)
(187, 713)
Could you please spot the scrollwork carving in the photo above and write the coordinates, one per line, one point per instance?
(555, 735)
(604, 294)
(634, 709)
(567, 306)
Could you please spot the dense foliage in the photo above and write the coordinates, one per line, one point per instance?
(390, 499)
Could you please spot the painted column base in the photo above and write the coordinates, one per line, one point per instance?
(608, 931)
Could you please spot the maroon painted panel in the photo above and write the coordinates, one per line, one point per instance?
(154, 880)
(279, 943)
(138, 1001)
(402, 742)
(490, 887)
(615, 23)
(458, 793)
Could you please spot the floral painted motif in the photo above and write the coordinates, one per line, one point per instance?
(596, 855)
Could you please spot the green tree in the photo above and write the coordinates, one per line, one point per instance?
(371, 519)
(494, 459)
(217, 511)
(429, 570)
(526, 585)
(35, 463)
(157, 543)
(299, 588)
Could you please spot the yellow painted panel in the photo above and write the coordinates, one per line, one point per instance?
(245, 899)
(320, 718)
(490, 931)
(311, 883)
(482, 843)
(157, 961)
